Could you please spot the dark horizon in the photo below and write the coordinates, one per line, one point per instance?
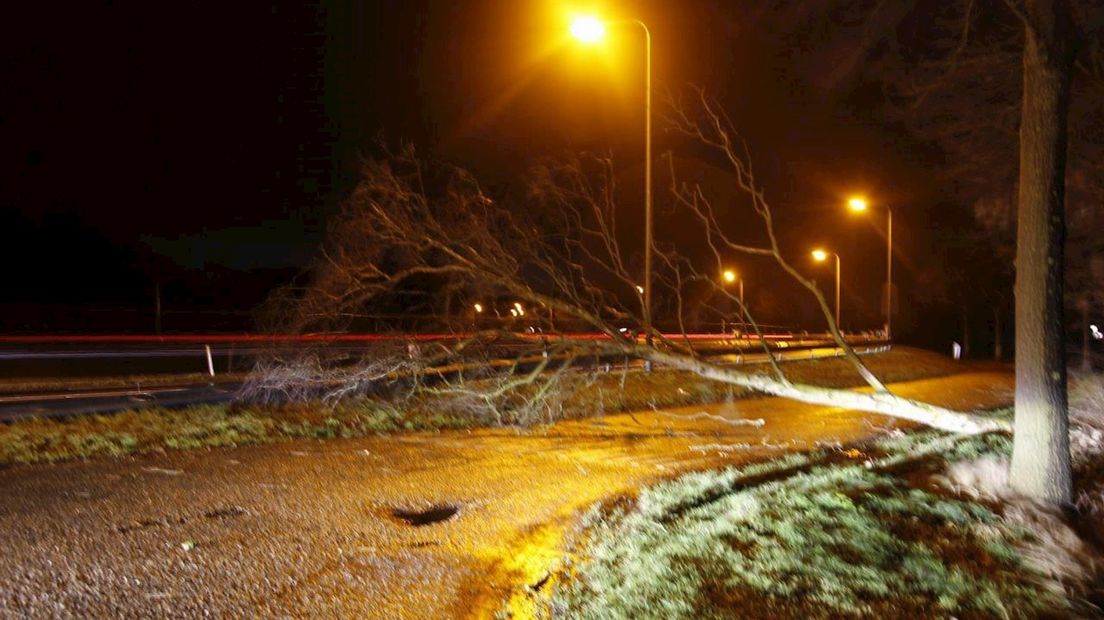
(176, 145)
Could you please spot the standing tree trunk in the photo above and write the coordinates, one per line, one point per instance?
(965, 332)
(1041, 455)
(998, 345)
(1086, 355)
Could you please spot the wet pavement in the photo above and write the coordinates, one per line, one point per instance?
(421, 525)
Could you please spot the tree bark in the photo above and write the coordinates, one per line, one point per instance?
(1041, 456)
(965, 333)
(1086, 356)
(998, 346)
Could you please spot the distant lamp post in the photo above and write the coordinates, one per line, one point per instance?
(729, 276)
(520, 310)
(478, 307)
(820, 256)
(858, 204)
(590, 29)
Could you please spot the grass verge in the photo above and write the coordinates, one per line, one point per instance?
(817, 535)
(46, 440)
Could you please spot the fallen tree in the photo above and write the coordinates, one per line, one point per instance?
(420, 237)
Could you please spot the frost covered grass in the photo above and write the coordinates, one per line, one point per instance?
(1065, 548)
(204, 426)
(820, 535)
(1086, 400)
(1087, 445)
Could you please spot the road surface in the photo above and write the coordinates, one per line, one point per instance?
(78, 402)
(309, 529)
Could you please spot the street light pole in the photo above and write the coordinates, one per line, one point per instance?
(729, 276)
(837, 291)
(647, 188)
(889, 273)
(743, 308)
(858, 204)
(820, 256)
(590, 29)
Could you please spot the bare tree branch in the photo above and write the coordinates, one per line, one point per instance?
(552, 255)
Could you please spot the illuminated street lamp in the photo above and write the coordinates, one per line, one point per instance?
(590, 29)
(477, 314)
(858, 204)
(729, 276)
(820, 256)
(520, 310)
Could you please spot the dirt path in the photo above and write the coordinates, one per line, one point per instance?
(308, 529)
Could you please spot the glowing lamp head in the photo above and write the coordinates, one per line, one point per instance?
(639, 289)
(820, 256)
(858, 205)
(479, 308)
(729, 276)
(588, 29)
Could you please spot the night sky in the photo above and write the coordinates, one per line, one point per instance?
(198, 146)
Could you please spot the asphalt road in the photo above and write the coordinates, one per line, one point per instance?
(78, 402)
(308, 529)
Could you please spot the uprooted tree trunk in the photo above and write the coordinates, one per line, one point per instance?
(410, 228)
